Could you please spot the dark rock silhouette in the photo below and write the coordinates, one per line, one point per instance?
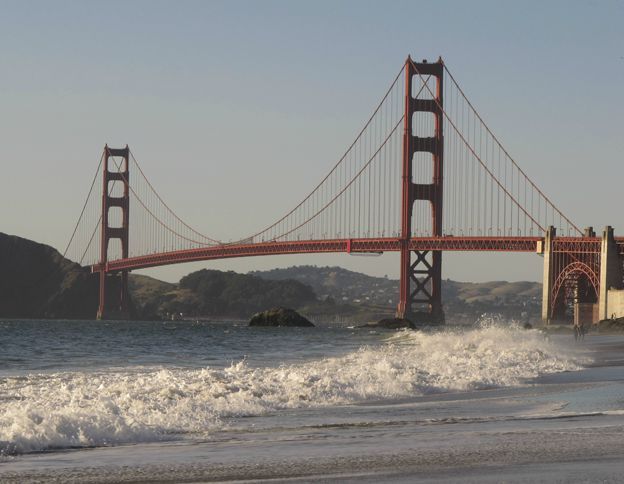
(279, 317)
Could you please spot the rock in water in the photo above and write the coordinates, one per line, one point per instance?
(279, 317)
(391, 323)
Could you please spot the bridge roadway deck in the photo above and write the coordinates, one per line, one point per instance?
(354, 246)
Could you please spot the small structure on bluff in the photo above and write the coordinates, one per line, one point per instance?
(279, 317)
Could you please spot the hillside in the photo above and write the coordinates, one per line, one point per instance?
(147, 294)
(217, 294)
(36, 281)
(463, 299)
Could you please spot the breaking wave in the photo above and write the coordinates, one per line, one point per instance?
(80, 409)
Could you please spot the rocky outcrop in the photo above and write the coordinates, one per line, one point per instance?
(279, 317)
(614, 324)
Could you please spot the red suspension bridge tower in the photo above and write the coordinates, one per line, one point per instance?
(421, 271)
(114, 281)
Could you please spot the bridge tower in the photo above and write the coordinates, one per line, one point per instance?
(114, 282)
(420, 296)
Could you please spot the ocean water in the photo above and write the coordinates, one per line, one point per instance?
(221, 393)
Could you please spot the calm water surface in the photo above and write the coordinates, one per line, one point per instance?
(33, 346)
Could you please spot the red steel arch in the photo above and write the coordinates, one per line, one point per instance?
(572, 269)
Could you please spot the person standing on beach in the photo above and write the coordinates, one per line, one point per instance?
(579, 331)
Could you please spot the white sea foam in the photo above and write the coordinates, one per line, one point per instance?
(78, 409)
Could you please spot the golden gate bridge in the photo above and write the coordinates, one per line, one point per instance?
(424, 175)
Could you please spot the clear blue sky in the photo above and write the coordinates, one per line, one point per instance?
(221, 101)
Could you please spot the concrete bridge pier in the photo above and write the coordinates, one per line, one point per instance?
(611, 297)
(547, 280)
(568, 278)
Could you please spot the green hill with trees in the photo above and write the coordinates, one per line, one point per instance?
(211, 293)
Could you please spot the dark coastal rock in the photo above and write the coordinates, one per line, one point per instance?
(279, 317)
(391, 323)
